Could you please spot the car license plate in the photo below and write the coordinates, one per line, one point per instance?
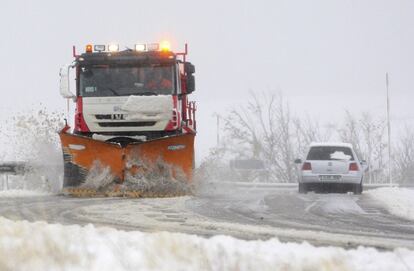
(329, 177)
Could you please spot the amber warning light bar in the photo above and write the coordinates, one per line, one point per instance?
(164, 46)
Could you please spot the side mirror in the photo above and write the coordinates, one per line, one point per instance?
(190, 83)
(189, 68)
(298, 161)
(65, 83)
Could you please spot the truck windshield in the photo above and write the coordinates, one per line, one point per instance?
(105, 80)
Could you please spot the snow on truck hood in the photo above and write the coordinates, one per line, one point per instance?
(148, 104)
(140, 106)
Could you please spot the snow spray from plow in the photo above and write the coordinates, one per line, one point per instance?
(155, 168)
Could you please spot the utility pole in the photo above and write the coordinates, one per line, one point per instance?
(388, 129)
(217, 129)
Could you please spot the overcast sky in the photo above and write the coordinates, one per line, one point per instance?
(325, 56)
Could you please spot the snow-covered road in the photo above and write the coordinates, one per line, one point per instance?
(345, 220)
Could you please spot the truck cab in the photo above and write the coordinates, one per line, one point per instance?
(137, 93)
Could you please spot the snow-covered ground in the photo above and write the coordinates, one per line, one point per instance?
(42, 246)
(337, 204)
(398, 201)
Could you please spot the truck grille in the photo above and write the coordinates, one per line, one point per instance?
(110, 117)
(127, 124)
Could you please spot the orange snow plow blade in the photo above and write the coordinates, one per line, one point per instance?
(154, 168)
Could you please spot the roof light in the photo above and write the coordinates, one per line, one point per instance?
(140, 47)
(165, 46)
(99, 48)
(88, 48)
(153, 47)
(113, 48)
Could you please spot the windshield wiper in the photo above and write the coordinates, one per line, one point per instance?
(148, 93)
(113, 91)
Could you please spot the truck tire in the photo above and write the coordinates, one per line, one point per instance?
(302, 188)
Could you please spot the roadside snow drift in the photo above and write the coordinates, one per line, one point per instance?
(41, 246)
(398, 201)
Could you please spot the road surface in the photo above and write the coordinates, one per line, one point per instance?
(245, 212)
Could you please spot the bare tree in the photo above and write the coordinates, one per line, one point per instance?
(265, 129)
(404, 158)
(373, 145)
(350, 132)
(307, 131)
(262, 130)
(366, 134)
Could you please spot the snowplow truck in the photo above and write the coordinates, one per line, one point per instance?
(134, 127)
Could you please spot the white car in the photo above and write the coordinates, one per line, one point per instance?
(331, 166)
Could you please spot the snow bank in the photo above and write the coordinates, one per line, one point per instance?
(14, 193)
(41, 246)
(398, 201)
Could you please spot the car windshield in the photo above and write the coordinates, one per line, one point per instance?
(104, 80)
(330, 153)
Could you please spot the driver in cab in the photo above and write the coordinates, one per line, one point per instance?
(159, 81)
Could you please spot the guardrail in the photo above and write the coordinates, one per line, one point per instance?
(21, 174)
(292, 185)
(11, 168)
(15, 168)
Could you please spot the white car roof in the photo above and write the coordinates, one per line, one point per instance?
(333, 144)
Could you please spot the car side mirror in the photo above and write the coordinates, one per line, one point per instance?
(64, 84)
(298, 161)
